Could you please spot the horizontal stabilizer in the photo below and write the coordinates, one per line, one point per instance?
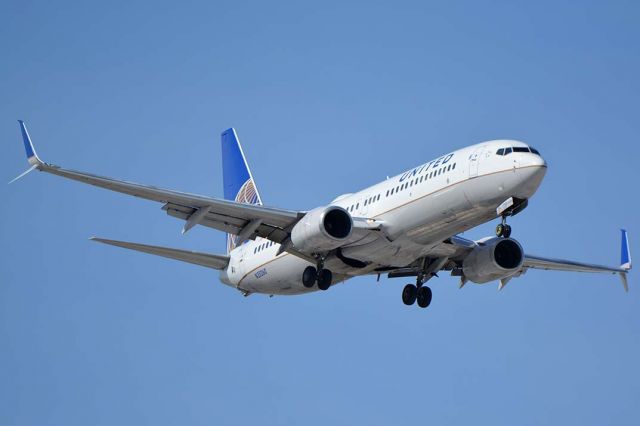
(213, 261)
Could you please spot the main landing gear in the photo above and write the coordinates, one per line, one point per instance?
(418, 291)
(319, 275)
(503, 230)
(412, 293)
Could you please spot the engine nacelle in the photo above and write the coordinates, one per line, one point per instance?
(494, 259)
(322, 229)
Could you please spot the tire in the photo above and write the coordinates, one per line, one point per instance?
(424, 296)
(499, 230)
(409, 294)
(309, 276)
(324, 279)
(507, 231)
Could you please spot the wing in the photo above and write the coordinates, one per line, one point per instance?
(549, 264)
(457, 248)
(246, 220)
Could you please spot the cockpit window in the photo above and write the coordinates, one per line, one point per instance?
(507, 151)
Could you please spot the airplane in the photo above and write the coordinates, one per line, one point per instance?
(404, 226)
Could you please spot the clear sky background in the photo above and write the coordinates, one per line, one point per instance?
(327, 97)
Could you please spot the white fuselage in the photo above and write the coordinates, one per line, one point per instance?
(419, 208)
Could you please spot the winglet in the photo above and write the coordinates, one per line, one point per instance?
(625, 255)
(32, 157)
(625, 259)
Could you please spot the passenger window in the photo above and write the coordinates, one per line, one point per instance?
(449, 168)
(387, 193)
(378, 197)
(454, 166)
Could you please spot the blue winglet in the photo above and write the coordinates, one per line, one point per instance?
(32, 157)
(625, 255)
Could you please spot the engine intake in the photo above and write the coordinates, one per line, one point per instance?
(322, 229)
(493, 259)
(337, 223)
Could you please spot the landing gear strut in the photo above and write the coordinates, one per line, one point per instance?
(321, 276)
(503, 230)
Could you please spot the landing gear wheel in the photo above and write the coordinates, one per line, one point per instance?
(424, 296)
(409, 294)
(506, 231)
(309, 276)
(324, 279)
(500, 230)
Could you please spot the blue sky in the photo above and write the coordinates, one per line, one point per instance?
(328, 97)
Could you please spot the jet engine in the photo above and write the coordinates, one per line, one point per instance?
(322, 229)
(493, 259)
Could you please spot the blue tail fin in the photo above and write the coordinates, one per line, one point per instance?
(238, 182)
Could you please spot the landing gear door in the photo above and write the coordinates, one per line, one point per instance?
(474, 162)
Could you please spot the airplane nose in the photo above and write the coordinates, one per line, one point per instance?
(539, 161)
(531, 173)
(533, 160)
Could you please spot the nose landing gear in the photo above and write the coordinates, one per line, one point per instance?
(510, 207)
(503, 230)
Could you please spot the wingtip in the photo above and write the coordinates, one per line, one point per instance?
(625, 252)
(32, 157)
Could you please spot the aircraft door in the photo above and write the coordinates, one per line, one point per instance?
(237, 262)
(474, 162)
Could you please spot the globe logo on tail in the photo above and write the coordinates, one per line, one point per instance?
(246, 195)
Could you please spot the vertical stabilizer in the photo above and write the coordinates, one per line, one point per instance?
(238, 182)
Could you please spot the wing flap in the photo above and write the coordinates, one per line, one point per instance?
(214, 261)
(228, 224)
